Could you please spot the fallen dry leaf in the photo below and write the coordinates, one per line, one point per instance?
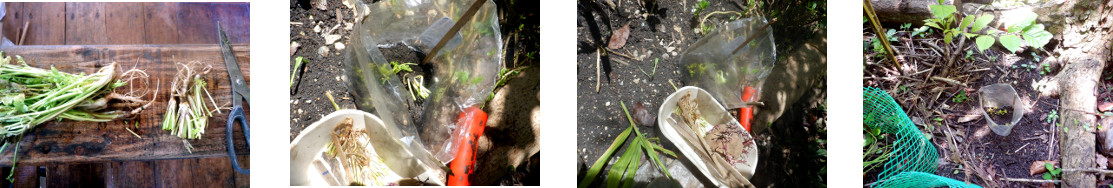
(1039, 167)
(618, 38)
(1102, 161)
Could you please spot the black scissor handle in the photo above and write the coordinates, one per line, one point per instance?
(237, 115)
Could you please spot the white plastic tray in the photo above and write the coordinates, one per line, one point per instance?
(310, 143)
(714, 113)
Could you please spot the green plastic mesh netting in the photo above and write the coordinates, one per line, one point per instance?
(920, 179)
(912, 152)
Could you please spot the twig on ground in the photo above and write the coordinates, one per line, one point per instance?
(1088, 170)
(598, 61)
(624, 55)
(948, 80)
(1030, 180)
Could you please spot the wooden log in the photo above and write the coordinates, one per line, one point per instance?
(69, 141)
(1085, 49)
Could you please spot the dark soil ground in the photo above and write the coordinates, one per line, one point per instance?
(659, 32)
(324, 73)
(977, 151)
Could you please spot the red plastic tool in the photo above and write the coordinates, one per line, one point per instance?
(745, 114)
(474, 120)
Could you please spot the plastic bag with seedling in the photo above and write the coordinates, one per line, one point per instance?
(731, 63)
(423, 98)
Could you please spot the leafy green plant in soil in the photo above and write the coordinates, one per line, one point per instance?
(1021, 32)
(1052, 172)
(624, 170)
(960, 97)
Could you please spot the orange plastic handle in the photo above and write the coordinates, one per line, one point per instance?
(745, 114)
(474, 120)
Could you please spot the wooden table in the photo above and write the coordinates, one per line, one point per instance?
(70, 141)
(147, 23)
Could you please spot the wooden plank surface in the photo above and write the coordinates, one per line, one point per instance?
(236, 19)
(161, 25)
(195, 25)
(85, 24)
(74, 175)
(13, 20)
(69, 142)
(48, 23)
(125, 21)
(123, 174)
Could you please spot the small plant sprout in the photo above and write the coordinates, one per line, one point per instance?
(960, 97)
(702, 4)
(654, 69)
(1052, 116)
(1052, 172)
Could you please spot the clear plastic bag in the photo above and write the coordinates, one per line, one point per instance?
(713, 64)
(463, 72)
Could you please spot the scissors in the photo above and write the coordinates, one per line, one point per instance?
(239, 92)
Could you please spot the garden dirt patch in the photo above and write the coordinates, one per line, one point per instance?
(646, 69)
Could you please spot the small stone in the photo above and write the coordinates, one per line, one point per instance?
(636, 80)
(317, 28)
(608, 103)
(294, 47)
(323, 51)
(340, 46)
(329, 39)
(307, 102)
(322, 4)
(300, 111)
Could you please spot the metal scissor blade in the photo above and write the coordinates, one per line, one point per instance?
(239, 85)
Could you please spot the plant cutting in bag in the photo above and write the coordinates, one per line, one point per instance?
(728, 69)
(424, 99)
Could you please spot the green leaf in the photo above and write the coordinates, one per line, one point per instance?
(598, 166)
(966, 21)
(1010, 42)
(931, 23)
(981, 22)
(1047, 176)
(1026, 19)
(969, 35)
(942, 11)
(1037, 37)
(614, 177)
(984, 42)
(920, 30)
(889, 35)
(947, 38)
(1056, 172)
(1048, 166)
